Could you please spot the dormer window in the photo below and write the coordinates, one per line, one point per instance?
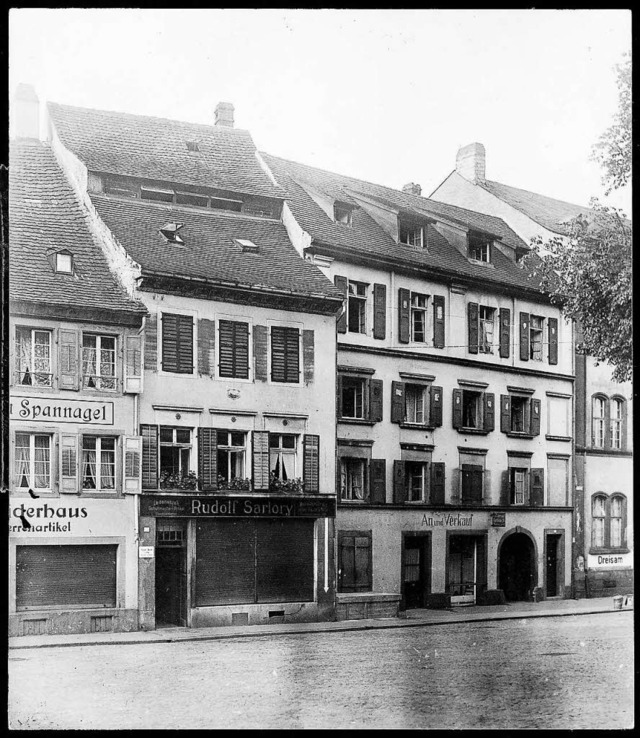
(479, 248)
(223, 203)
(156, 194)
(412, 234)
(246, 245)
(342, 213)
(192, 146)
(170, 233)
(64, 262)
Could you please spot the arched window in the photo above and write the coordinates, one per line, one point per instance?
(617, 415)
(598, 521)
(608, 521)
(598, 416)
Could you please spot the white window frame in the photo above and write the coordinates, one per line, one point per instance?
(600, 526)
(518, 485)
(486, 324)
(32, 331)
(287, 454)
(364, 387)
(31, 460)
(535, 331)
(233, 451)
(98, 349)
(99, 488)
(424, 311)
(415, 234)
(598, 421)
(616, 404)
(419, 389)
(362, 300)
(423, 481)
(176, 444)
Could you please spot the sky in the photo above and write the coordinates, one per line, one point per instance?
(387, 96)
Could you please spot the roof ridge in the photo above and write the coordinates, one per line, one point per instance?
(537, 194)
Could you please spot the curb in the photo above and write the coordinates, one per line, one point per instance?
(349, 629)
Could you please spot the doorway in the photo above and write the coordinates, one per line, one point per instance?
(463, 566)
(553, 564)
(171, 574)
(517, 567)
(415, 570)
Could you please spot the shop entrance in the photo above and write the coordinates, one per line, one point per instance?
(553, 570)
(171, 573)
(517, 567)
(415, 570)
(463, 567)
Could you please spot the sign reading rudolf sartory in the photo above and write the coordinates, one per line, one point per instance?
(233, 507)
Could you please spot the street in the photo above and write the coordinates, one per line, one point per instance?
(572, 672)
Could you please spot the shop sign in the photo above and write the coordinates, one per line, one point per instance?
(448, 520)
(44, 518)
(214, 506)
(42, 409)
(145, 552)
(498, 520)
(610, 561)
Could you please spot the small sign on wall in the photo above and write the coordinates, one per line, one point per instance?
(498, 520)
(145, 552)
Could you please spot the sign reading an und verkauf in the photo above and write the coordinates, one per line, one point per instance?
(45, 409)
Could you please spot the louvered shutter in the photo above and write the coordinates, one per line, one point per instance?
(438, 321)
(260, 444)
(379, 311)
(489, 400)
(339, 396)
(375, 400)
(233, 351)
(69, 463)
(378, 477)
(69, 364)
(311, 463)
(285, 354)
(437, 483)
(185, 344)
(151, 343)
(472, 326)
(149, 435)
(535, 417)
(623, 427)
(133, 364)
(342, 283)
(505, 487)
(435, 406)
(524, 336)
(206, 347)
(208, 459)
(404, 315)
(169, 342)
(537, 487)
(399, 482)
(132, 465)
(471, 483)
(397, 402)
(308, 355)
(505, 413)
(505, 332)
(553, 340)
(457, 408)
(260, 340)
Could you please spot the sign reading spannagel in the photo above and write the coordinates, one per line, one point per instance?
(44, 409)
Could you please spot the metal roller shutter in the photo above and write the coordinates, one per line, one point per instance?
(285, 560)
(66, 576)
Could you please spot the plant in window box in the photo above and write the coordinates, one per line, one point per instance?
(236, 483)
(178, 481)
(286, 486)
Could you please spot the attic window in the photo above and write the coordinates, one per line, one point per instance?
(412, 234)
(170, 233)
(64, 262)
(247, 246)
(479, 248)
(342, 213)
(193, 146)
(156, 194)
(223, 203)
(189, 198)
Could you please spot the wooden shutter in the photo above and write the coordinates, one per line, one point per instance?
(397, 402)
(457, 408)
(536, 488)
(260, 340)
(623, 427)
(284, 560)
(285, 354)
(311, 463)
(378, 481)
(505, 413)
(69, 364)
(472, 327)
(535, 417)
(208, 459)
(150, 453)
(151, 343)
(206, 347)
(69, 463)
(308, 357)
(375, 400)
(379, 310)
(177, 343)
(260, 444)
(185, 344)
(133, 364)
(505, 487)
(472, 483)
(132, 465)
(553, 340)
(437, 483)
(339, 396)
(438, 321)
(404, 315)
(399, 484)
(489, 400)
(524, 336)
(435, 406)
(342, 283)
(233, 353)
(505, 332)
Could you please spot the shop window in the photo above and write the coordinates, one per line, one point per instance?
(283, 448)
(486, 318)
(233, 352)
(617, 408)
(608, 521)
(175, 455)
(98, 463)
(353, 478)
(535, 338)
(285, 354)
(98, 362)
(177, 343)
(354, 561)
(231, 456)
(419, 305)
(33, 461)
(33, 357)
(598, 421)
(357, 307)
(479, 248)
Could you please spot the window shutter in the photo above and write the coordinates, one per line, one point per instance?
(437, 483)
(69, 364)
(524, 336)
(339, 396)
(397, 402)
(260, 443)
(553, 340)
(489, 400)
(378, 477)
(471, 483)
(149, 435)
(375, 400)
(505, 487)
(207, 459)
(285, 354)
(169, 342)
(438, 321)
(233, 353)
(133, 364)
(151, 343)
(69, 463)
(185, 344)
(505, 332)
(505, 414)
(607, 423)
(311, 463)
(206, 347)
(457, 408)
(308, 357)
(404, 315)
(260, 336)
(132, 465)
(346, 563)
(379, 311)
(342, 283)
(535, 417)
(435, 409)
(472, 324)
(536, 488)
(399, 486)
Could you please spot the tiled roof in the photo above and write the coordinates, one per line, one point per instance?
(209, 251)
(367, 238)
(156, 148)
(45, 216)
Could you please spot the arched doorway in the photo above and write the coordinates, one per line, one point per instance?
(517, 576)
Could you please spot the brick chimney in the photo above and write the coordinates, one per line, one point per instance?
(224, 114)
(26, 112)
(470, 162)
(412, 189)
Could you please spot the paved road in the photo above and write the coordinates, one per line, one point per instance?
(567, 672)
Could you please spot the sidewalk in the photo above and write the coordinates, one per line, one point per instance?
(413, 619)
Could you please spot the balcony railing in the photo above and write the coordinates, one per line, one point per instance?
(190, 483)
(34, 379)
(98, 381)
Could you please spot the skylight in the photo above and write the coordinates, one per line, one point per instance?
(170, 232)
(192, 146)
(64, 262)
(246, 245)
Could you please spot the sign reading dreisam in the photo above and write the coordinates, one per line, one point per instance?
(44, 409)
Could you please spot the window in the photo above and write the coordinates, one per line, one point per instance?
(354, 561)
(535, 343)
(471, 409)
(479, 248)
(33, 461)
(282, 456)
(285, 354)
(33, 357)
(518, 486)
(598, 513)
(64, 262)
(169, 232)
(558, 416)
(416, 480)
(98, 362)
(598, 420)
(486, 317)
(353, 397)
(233, 355)
(177, 343)
(608, 521)
(519, 414)
(232, 448)
(615, 522)
(616, 423)
(342, 214)
(98, 463)
(471, 483)
(352, 478)
(191, 199)
(558, 482)
(223, 203)
(414, 401)
(411, 234)
(156, 194)
(175, 454)
(357, 307)
(419, 317)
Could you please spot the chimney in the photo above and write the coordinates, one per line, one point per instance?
(470, 162)
(27, 112)
(224, 114)
(412, 189)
